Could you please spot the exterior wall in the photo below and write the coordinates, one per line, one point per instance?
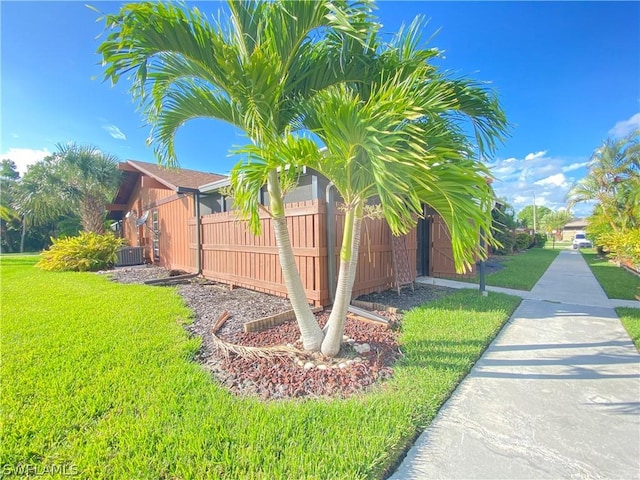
(232, 255)
(568, 234)
(174, 211)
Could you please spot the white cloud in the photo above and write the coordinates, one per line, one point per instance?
(625, 127)
(557, 180)
(23, 157)
(574, 166)
(115, 132)
(533, 156)
(546, 176)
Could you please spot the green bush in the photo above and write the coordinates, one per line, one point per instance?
(507, 238)
(539, 240)
(624, 245)
(86, 252)
(523, 241)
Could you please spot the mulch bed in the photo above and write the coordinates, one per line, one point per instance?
(366, 357)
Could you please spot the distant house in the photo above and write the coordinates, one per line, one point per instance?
(570, 229)
(183, 220)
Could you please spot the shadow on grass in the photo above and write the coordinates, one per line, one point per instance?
(19, 260)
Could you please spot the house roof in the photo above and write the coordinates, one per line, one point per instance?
(171, 178)
(578, 223)
(174, 178)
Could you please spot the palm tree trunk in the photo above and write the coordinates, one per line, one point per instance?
(23, 234)
(311, 333)
(92, 214)
(346, 277)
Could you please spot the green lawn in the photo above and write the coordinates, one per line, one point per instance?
(615, 281)
(630, 318)
(521, 271)
(98, 377)
(558, 245)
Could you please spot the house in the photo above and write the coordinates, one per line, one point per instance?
(152, 207)
(182, 219)
(570, 229)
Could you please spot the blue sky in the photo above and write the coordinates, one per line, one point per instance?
(567, 74)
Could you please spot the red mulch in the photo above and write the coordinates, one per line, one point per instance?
(286, 377)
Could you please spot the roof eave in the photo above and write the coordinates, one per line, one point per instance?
(212, 186)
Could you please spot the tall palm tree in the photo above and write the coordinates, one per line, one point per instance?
(250, 68)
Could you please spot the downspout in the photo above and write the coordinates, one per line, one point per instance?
(196, 201)
(331, 258)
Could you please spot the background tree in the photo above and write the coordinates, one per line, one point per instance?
(555, 221)
(503, 226)
(9, 217)
(613, 183)
(525, 216)
(38, 199)
(76, 182)
(88, 180)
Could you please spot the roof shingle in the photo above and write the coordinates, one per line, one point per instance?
(175, 177)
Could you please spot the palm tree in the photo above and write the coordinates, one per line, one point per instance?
(251, 69)
(613, 182)
(278, 66)
(88, 178)
(75, 179)
(38, 198)
(396, 139)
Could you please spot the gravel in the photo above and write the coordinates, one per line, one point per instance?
(298, 374)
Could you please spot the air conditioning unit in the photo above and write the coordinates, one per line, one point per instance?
(128, 256)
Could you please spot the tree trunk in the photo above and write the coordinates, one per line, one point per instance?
(311, 333)
(346, 277)
(92, 213)
(23, 234)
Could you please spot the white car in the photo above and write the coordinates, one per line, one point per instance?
(581, 241)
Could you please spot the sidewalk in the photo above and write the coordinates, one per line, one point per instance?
(556, 395)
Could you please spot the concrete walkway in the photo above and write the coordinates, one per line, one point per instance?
(556, 395)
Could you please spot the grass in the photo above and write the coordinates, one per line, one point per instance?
(630, 318)
(521, 271)
(558, 245)
(98, 377)
(615, 281)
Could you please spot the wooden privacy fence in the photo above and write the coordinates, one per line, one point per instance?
(232, 254)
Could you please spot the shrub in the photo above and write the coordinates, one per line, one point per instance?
(539, 240)
(507, 238)
(523, 241)
(625, 245)
(85, 252)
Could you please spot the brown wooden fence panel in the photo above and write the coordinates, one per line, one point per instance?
(441, 262)
(174, 237)
(233, 255)
(375, 258)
